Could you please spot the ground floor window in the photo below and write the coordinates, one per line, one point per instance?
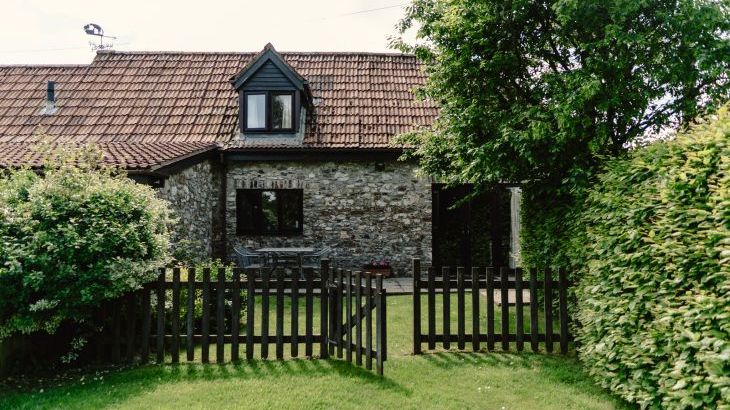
(269, 211)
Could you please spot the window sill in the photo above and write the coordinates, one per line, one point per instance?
(269, 234)
(273, 132)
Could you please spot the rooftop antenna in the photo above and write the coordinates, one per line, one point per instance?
(96, 30)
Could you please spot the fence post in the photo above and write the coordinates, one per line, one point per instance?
(548, 310)
(338, 314)
(490, 309)
(358, 318)
(416, 305)
(324, 309)
(161, 316)
(432, 308)
(331, 291)
(461, 319)
(519, 311)
(348, 316)
(563, 311)
(504, 296)
(446, 288)
(279, 313)
(369, 322)
(220, 316)
(205, 324)
(250, 303)
(379, 323)
(385, 327)
(175, 319)
(294, 325)
(116, 332)
(533, 310)
(235, 313)
(146, 323)
(265, 285)
(309, 312)
(475, 308)
(190, 347)
(131, 325)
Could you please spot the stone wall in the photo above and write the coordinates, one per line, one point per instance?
(193, 194)
(362, 210)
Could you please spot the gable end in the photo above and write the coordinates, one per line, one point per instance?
(269, 78)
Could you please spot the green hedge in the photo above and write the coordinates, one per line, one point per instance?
(654, 293)
(78, 235)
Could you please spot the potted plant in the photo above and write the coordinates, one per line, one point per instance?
(378, 266)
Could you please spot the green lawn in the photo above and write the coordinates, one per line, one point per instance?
(432, 380)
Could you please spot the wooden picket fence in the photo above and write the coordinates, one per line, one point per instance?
(355, 303)
(489, 280)
(152, 328)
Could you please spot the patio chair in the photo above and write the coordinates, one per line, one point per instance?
(247, 259)
(314, 260)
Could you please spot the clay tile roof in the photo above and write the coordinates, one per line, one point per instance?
(130, 155)
(363, 99)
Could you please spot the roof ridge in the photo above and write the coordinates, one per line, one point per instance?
(33, 65)
(242, 53)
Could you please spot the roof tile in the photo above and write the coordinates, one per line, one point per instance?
(186, 98)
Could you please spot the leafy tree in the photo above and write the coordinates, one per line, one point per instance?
(542, 90)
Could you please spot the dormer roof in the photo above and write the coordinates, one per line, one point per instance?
(269, 54)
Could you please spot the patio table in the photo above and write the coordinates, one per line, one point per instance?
(275, 253)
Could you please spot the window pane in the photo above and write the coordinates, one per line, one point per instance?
(291, 208)
(276, 211)
(269, 211)
(281, 111)
(246, 204)
(256, 107)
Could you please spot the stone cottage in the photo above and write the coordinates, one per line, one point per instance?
(254, 149)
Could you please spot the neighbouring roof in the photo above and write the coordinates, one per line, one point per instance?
(362, 100)
(147, 156)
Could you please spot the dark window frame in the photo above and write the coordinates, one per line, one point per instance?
(268, 121)
(257, 226)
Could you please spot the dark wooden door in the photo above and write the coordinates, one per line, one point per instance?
(469, 231)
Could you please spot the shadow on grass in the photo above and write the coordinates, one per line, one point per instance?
(271, 369)
(138, 380)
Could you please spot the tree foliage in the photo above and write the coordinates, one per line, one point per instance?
(79, 234)
(654, 298)
(543, 90)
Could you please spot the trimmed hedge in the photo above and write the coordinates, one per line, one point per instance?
(654, 296)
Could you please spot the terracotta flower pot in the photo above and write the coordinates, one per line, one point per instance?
(386, 272)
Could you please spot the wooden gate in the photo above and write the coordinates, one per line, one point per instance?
(352, 307)
(504, 281)
(232, 310)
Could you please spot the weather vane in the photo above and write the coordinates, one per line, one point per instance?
(96, 30)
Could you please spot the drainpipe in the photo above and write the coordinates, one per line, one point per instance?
(220, 224)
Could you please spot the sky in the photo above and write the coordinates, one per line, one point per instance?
(51, 32)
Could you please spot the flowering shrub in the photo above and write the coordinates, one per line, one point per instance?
(72, 238)
(377, 264)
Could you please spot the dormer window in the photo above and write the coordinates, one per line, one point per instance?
(273, 98)
(269, 111)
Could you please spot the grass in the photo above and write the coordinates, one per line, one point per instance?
(436, 379)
